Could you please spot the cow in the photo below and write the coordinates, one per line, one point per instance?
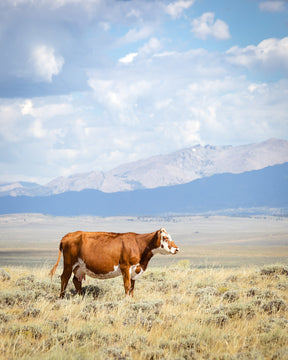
(105, 255)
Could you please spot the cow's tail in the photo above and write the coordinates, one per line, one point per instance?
(52, 271)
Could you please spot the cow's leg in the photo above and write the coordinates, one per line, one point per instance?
(67, 271)
(78, 285)
(127, 280)
(132, 288)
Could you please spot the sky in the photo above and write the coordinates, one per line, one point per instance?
(87, 85)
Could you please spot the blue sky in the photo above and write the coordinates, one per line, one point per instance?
(89, 85)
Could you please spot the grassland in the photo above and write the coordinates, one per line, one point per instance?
(177, 313)
(222, 297)
(33, 240)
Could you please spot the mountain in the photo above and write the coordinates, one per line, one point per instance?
(179, 167)
(22, 188)
(265, 188)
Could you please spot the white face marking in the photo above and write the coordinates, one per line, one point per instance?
(82, 270)
(164, 248)
(135, 275)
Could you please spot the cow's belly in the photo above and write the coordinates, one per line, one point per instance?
(80, 270)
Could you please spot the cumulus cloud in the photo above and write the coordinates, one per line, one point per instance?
(151, 47)
(46, 63)
(128, 58)
(272, 6)
(123, 87)
(175, 9)
(214, 105)
(269, 53)
(206, 26)
(130, 117)
(135, 35)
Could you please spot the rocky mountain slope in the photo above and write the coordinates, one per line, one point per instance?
(179, 167)
(259, 189)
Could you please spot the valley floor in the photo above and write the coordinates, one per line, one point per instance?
(221, 298)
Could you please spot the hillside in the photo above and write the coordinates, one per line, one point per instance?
(267, 187)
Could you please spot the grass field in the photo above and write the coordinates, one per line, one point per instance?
(33, 240)
(222, 297)
(177, 313)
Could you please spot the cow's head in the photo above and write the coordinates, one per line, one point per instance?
(165, 245)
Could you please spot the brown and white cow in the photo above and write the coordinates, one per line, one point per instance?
(104, 255)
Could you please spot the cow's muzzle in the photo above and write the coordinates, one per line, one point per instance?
(175, 250)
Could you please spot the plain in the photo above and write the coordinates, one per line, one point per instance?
(223, 297)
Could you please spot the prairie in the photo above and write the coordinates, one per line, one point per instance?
(177, 313)
(224, 296)
(33, 239)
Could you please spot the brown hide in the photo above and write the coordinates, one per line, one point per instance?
(104, 255)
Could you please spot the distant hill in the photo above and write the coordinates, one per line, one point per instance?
(179, 167)
(267, 187)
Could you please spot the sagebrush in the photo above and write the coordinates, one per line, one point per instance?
(177, 313)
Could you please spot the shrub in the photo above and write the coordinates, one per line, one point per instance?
(27, 331)
(5, 318)
(232, 278)
(274, 306)
(240, 311)
(92, 291)
(153, 354)
(30, 312)
(274, 269)
(218, 320)
(231, 296)
(253, 292)
(138, 342)
(25, 281)
(210, 291)
(12, 298)
(147, 306)
(114, 353)
(4, 275)
(282, 286)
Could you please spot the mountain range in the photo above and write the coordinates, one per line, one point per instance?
(190, 181)
(266, 188)
(180, 167)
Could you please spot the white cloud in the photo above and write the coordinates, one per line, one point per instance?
(205, 26)
(135, 35)
(128, 58)
(27, 107)
(46, 64)
(151, 47)
(195, 104)
(272, 6)
(120, 95)
(175, 9)
(46, 111)
(130, 117)
(37, 129)
(132, 91)
(269, 53)
(53, 4)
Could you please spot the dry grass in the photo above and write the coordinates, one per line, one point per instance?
(177, 313)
